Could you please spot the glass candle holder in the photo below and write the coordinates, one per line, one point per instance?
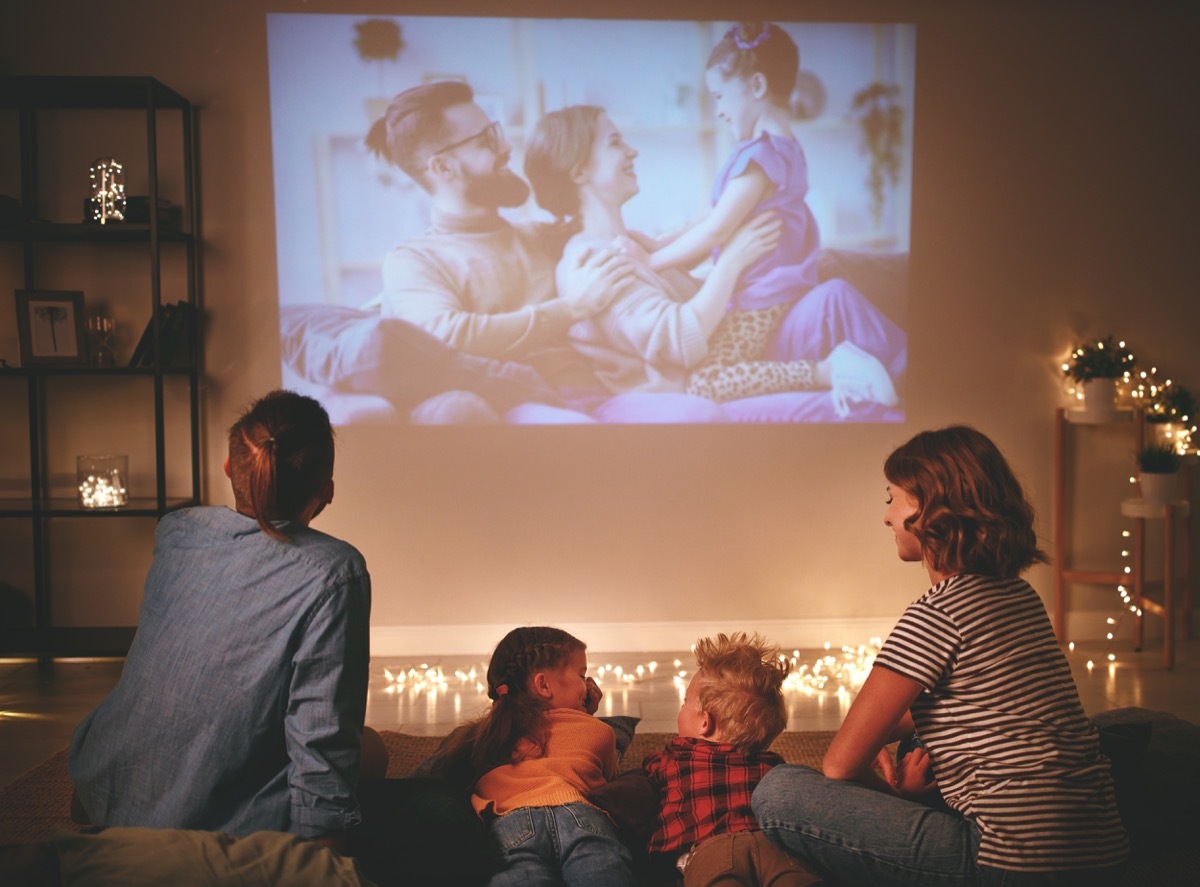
(101, 481)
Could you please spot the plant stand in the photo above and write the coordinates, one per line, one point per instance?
(1169, 513)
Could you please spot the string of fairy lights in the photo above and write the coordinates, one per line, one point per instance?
(1170, 413)
(837, 672)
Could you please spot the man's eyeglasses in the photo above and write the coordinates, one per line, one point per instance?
(492, 135)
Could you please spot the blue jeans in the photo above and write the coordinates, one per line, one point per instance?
(573, 844)
(856, 835)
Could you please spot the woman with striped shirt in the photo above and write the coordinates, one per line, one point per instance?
(974, 669)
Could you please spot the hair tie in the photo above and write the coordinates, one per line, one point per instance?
(269, 442)
(501, 690)
(736, 33)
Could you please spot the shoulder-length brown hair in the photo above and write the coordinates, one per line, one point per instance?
(972, 515)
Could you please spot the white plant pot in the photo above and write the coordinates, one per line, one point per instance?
(1159, 489)
(1099, 397)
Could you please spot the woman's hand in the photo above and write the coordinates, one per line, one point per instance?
(594, 695)
(752, 241)
(594, 278)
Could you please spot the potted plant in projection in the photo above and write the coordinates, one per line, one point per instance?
(378, 42)
(1158, 473)
(880, 118)
(1095, 367)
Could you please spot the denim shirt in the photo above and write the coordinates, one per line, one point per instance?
(241, 703)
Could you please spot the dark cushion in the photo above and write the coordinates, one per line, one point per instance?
(1156, 768)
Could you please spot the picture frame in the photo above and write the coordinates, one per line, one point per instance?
(50, 328)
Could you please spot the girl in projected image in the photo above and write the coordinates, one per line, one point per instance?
(750, 75)
(657, 331)
(532, 759)
(974, 669)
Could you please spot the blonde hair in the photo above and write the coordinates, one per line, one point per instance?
(741, 686)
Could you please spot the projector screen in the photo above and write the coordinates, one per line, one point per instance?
(410, 303)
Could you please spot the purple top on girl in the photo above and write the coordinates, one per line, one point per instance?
(787, 273)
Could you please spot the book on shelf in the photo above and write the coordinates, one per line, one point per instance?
(174, 338)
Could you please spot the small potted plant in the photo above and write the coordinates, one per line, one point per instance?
(1171, 413)
(379, 42)
(1158, 473)
(1095, 368)
(1170, 403)
(880, 119)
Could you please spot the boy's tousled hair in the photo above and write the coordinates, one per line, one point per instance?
(415, 124)
(741, 686)
(561, 145)
(514, 727)
(750, 48)
(280, 458)
(972, 515)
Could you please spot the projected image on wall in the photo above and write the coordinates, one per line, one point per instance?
(533, 221)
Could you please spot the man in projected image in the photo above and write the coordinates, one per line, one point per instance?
(486, 286)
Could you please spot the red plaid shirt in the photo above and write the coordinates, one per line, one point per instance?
(706, 788)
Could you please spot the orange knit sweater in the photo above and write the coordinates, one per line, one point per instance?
(581, 755)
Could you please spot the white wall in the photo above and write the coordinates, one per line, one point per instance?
(1055, 183)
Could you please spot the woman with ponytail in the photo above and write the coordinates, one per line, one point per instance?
(241, 703)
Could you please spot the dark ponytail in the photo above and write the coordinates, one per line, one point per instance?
(280, 458)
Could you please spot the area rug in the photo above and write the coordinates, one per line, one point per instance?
(37, 805)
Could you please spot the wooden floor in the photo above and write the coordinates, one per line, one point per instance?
(40, 707)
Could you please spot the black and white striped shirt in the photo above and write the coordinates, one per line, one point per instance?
(1001, 718)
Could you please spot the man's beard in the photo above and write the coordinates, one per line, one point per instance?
(501, 187)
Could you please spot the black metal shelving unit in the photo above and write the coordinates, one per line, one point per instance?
(30, 97)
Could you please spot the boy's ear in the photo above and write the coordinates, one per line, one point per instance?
(708, 725)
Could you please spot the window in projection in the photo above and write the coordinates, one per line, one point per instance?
(589, 221)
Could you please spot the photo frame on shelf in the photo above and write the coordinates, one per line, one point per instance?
(50, 328)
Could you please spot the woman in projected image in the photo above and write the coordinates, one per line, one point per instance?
(974, 669)
(658, 330)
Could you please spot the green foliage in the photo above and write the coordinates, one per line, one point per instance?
(1103, 359)
(378, 39)
(881, 119)
(1171, 403)
(1159, 459)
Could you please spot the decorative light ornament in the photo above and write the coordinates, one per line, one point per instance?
(101, 481)
(108, 191)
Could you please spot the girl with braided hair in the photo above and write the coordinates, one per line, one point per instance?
(533, 757)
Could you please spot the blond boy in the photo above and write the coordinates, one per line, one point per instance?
(732, 711)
